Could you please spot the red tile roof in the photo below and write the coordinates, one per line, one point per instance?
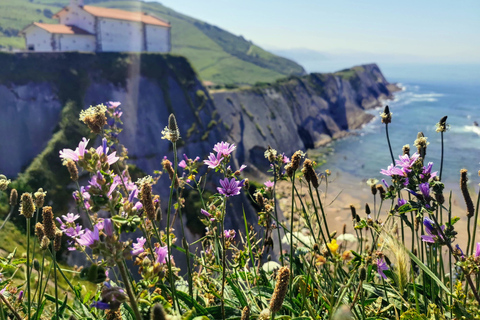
(122, 15)
(61, 28)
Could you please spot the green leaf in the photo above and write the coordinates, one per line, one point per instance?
(428, 271)
(241, 298)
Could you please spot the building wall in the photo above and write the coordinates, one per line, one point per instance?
(120, 35)
(158, 38)
(74, 42)
(39, 38)
(76, 16)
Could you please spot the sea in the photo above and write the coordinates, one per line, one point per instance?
(429, 92)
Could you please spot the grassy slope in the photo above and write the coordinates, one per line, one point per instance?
(217, 55)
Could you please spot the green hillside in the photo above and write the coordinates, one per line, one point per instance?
(216, 54)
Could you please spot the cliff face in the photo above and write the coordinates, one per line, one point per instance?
(300, 112)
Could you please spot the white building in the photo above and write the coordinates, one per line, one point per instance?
(88, 28)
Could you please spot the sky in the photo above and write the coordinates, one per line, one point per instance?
(433, 31)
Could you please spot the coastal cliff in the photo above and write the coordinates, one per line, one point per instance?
(299, 113)
(41, 96)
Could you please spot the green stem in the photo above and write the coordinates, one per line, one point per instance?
(8, 217)
(441, 158)
(39, 288)
(169, 248)
(323, 214)
(131, 295)
(276, 214)
(224, 258)
(475, 222)
(55, 280)
(28, 271)
(291, 236)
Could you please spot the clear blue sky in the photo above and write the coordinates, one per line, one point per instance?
(436, 31)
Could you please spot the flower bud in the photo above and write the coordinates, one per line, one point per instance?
(13, 197)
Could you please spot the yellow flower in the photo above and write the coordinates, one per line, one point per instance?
(333, 246)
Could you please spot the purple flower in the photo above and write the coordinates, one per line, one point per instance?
(433, 234)
(392, 171)
(242, 167)
(89, 237)
(162, 253)
(407, 162)
(224, 148)
(381, 266)
(425, 189)
(401, 202)
(213, 161)
(138, 247)
(230, 188)
(206, 213)
(385, 183)
(269, 184)
(97, 180)
(76, 154)
(182, 164)
(70, 217)
(285, 159)
(477, 250)
(108, 227)
(427, 172)
(20, 295)
(74, 232)
(103, 150)
(113, 104)
(229, 234)
(100, 305)
(133, 195)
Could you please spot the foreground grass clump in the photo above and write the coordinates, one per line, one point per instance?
(401, 263)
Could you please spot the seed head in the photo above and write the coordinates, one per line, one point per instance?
(421, 143)
(353, 210)
(44, 243)
(381, 189)
(57, 242)
(40, 197)
(367, 209)
(158, 313)
(113, 314)
(442, 125)
(13, 197)
(280, 289)
(264, 315)
(406, 150)
(246, 313)
(296, 158)
(260, 200)
(386, 115)
(4, 182)
(39, 231)
(171, 131)
(246, 184)
(49, 223)
(94, 117)
(27, 207)
(167, 165)
(147, 201)
(271, 154)
(309, 173)
(363, 274)
(72, 169)
(465, 193)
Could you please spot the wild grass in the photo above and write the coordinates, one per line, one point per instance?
(271, 268)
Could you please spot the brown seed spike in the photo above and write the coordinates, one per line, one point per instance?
(39, 231)
(27, 207)
(246, 313)
(280, 289)
(13, 197)
(465, 193)
(57, 242)
(72, 169)
(49, 223)
(147, 201)
(158, 313)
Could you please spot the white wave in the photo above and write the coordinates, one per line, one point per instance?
(474, 129)
(407, 97)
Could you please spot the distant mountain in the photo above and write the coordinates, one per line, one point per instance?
(216, 54)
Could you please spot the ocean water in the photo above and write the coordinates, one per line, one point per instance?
(429, 93)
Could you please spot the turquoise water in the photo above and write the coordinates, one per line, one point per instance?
(430, 92)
